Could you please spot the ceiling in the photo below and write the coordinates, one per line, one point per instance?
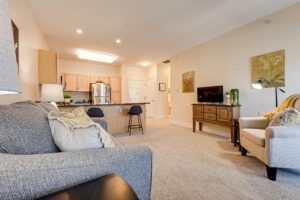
(150, 30)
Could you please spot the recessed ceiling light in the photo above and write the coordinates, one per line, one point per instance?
(79, 31)
(96, 56)
(145, 64)
(118, 41)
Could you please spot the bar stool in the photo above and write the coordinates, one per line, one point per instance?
(95, 112)
(97, 115)
(135, 110)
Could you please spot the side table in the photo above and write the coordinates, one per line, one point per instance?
(236, 132)
(105, 188)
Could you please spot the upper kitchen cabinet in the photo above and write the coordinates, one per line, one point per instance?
(115, 85)
(76, 82)
(48, 67)
(70, 82)
(105, 79)
(83, 83)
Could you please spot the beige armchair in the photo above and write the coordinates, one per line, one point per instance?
(276, 146)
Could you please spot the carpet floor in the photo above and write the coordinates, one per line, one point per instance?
(200, 165)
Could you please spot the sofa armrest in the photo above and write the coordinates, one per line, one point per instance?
(33, 176)
(254, 122)
(282, 146)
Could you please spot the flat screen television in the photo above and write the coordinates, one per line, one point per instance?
(212, 94)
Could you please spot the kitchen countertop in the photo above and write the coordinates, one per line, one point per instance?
(105, 104)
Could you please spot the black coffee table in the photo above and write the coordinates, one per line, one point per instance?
(109, 187)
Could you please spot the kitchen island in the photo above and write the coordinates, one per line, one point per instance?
(116, 114)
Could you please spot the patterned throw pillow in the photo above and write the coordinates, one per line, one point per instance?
(76, 130)
(286, 117)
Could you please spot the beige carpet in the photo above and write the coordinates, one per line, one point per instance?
(189, 165)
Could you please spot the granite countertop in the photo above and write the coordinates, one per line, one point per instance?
(104, 104)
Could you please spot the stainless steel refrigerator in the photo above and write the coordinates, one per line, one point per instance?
(99, 93)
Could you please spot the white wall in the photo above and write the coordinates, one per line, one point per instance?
(30, 39)
(87, 68)
(226, 61)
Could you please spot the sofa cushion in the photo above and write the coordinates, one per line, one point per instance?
(286, 117)
(76, 130)
(24, 129)
(257, 136)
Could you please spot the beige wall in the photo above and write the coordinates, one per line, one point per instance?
(226, 61)
(87, 68)
(30, 39)
(163, 76)
(130, 73)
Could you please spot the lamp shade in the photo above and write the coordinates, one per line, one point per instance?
(258, 85)
(52, 92)
(9, 81)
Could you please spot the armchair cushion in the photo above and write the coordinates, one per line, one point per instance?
(257, 136)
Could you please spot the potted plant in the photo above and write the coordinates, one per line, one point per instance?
(99, 81)
(67, 98)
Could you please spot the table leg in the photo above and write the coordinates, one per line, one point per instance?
(194, 125)
(200, 126)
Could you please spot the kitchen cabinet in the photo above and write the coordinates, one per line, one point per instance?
(70, 82)
(76, 82)
(115, 85)
(93, 79)
(83, 83)
(48, 67)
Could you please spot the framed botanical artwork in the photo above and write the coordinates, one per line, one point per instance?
(188, 82)
(270, 68)
(162, 86)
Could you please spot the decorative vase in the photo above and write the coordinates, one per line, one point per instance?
(234, 97)
(228, 99)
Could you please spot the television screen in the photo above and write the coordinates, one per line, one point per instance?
(212, 94)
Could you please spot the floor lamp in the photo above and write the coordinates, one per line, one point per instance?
(9, 79)
(259, 85)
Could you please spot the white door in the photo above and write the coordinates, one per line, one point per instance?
(150, 108)
(136, 91)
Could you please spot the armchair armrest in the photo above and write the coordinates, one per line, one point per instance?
(33, 176)
(254, 122)
(292, 131)
(282, 146)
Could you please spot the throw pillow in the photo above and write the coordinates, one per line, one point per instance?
(76, 130)
(288, 116)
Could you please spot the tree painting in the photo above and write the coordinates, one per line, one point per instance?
(270, 67)
(188, 80)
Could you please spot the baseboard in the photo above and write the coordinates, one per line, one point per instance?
(184, 124)
(161, 117)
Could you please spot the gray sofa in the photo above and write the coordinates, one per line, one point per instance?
(31, 166)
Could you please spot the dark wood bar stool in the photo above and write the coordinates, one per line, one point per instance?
(135, 110)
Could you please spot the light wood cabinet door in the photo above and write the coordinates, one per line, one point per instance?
(115, 85)
(70, 82)
(224, 114)
(93, 79)
(47, 67)
(83, 83)
(198, 111)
